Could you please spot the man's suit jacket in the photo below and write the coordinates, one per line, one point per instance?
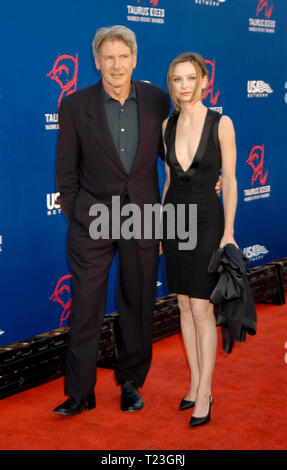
(89, 169)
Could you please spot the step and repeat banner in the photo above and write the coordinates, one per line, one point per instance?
(46, 54)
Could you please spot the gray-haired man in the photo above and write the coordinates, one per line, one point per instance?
(109, 140)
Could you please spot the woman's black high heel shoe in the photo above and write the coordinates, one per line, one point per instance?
(196, 421)
(186, 404)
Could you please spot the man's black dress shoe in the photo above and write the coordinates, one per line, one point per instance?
(186, 404)
(72, 407)
(130, 398)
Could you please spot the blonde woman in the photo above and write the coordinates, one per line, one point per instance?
(199, 143)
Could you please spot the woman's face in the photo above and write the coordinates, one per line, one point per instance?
(185, 79)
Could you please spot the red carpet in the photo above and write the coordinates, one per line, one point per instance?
(249, 410)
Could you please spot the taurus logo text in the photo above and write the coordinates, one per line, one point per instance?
(65, 73)
(256, 161)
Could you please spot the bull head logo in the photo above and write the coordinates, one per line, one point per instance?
(65, 73)
(210, 86)
(62, 295)
(153, 2)
(264, 4)
(256, 161)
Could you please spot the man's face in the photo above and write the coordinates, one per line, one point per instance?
(116, 63)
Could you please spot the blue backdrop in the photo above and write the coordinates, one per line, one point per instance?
(46, 54)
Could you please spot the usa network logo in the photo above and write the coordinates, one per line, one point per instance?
(258, 176)
(211, 93)
(52, 206)
(263, 23)
(64, 73)
(211, 3)
(258, 89)
(146, 11)
(255, 252)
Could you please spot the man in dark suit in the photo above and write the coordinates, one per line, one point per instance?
(109, 140)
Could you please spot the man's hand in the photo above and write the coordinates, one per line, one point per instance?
(218, 186)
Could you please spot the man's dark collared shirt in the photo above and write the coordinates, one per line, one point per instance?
(123, 124)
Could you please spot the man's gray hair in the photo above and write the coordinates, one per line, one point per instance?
(116, 32)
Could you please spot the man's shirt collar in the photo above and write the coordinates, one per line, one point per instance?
(132, 94)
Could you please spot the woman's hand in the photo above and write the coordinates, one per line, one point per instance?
(160, 249)
(227, 238)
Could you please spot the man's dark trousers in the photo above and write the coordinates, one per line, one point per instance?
(90, 261)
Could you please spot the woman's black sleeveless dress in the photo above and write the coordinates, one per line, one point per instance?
(187, 269)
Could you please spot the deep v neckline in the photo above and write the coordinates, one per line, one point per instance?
(198, 147)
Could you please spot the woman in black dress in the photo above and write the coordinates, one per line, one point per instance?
(199, 143)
